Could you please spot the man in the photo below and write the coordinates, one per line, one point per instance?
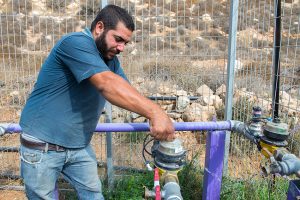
(61, 113)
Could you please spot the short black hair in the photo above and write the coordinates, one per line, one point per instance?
(110, 15)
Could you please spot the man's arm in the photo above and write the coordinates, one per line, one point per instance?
(120, 93)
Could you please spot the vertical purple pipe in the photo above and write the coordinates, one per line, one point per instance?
(294, 190)
(56, 195)
(215, 147)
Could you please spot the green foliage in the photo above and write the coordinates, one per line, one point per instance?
(134, 137)
(191, 181)
(130, 187)
(254, 189)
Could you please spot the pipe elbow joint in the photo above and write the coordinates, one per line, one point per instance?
(241, 128)
(290, 164)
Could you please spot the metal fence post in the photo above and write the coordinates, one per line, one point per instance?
(109, 149)
(215, 145)
(103, 3)
(234, 4)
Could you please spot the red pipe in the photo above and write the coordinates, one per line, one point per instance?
(156, 184)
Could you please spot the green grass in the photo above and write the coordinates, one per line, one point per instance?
(260, 189)
(131, 187)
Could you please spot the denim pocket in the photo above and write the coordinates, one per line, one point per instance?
(31, 156)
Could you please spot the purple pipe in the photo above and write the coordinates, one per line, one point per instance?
(214, 148)
(294, 190)
(212, 181)
(134, 127)
(13, 128)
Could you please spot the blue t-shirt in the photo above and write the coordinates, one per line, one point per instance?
(64, 107)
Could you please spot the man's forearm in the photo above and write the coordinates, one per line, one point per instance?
(118, 92)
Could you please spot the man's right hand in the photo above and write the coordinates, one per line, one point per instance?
(161, 127)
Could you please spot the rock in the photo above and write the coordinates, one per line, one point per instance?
(211, 100)
(238, 65)
(134, 115)
(221, 91)
(217, 102)
(168, 108)
(181, 93)
(174, 115)
(206, 100)
(165, 102)
(244, 94)
(139, 120)
(284, 95)
(204, 90)
(206, 18)
(14, 93)
(289, 106)
(181, 29)
(197, 112)
(38, 7)
(181, 103)
(73, 8)
(295, 92)
(165, 90)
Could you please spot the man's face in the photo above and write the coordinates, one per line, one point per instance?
(112, 42)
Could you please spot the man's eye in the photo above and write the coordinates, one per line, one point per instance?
(118, 39)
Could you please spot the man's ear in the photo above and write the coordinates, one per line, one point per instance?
(99, 28)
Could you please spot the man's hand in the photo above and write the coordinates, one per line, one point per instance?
(161, 127)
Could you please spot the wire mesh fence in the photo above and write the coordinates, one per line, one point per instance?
(179, 49)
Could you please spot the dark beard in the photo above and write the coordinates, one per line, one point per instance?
(102, 45)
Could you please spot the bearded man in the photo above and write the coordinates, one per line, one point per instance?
(81, 72)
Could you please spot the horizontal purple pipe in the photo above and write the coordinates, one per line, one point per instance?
(179, 126)
(133, 127)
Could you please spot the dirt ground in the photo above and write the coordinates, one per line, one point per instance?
(12, 195)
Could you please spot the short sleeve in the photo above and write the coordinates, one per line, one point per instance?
(80, 54)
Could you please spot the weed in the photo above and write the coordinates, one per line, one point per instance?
(253, 189)
(130, 187)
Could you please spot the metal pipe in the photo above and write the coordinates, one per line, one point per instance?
(109, 148)
(231, 57)
(12, 187)
(233, 125)
(276, 60)
(169, 98)
(172, 191)
(294, 190)
(136, 127)
(179, 126)
(9, 149)
(242, 128)
(213, 171)
(285, 163)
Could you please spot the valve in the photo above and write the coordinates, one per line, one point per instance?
(168, 155)
(255, 126)
(168, 158)
(274, 137)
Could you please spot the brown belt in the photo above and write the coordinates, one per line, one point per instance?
(41, 146)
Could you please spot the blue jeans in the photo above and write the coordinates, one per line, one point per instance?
(40, 171)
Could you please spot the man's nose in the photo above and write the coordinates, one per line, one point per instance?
(121, 47)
